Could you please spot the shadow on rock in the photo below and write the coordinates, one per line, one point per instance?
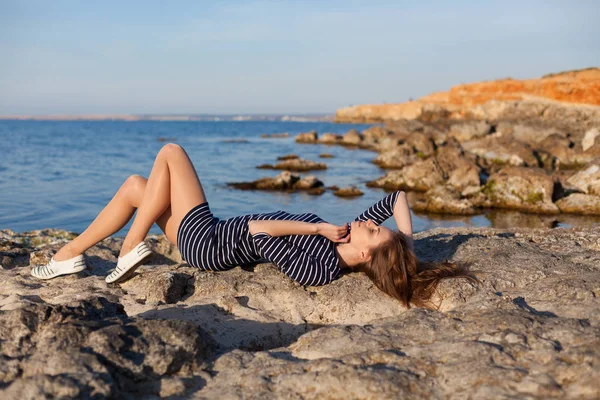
(232, 332)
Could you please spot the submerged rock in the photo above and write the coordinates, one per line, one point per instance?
(295, 164)
(350, 191)
(275, 135)
(285, 181)
(288, 157)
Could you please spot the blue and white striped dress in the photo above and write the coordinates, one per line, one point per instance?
(208, 243)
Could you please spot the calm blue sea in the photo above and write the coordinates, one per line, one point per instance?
(61, 174)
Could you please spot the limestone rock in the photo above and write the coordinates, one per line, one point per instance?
(376, 133)
(421, 143)
(525, 189)
(352, 137)
(285, 181)
(307, 137)
(275, 135)
(469, 130)
(531, 135)
(530, 329)
(295, 164)
(350, 191)
(587, 180)
(462, 171)
(420, 176)
(590, 138)
(330, 138)
(288, 157)
(445, 200)
(579, 203)
(397, 157)
(502, 151)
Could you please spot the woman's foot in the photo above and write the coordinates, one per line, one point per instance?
(65, 253)
(128, 263)
(56, 268)
(128, 246)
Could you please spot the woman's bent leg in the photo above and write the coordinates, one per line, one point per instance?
(115, 215)
(172, 183)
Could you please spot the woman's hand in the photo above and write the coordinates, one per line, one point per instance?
(338, 234)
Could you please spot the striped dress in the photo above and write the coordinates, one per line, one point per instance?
(208, 243)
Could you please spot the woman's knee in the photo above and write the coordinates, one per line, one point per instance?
(170, 149)
(134, 187)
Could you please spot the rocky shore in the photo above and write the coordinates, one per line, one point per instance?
(505, 144)
(531, 329)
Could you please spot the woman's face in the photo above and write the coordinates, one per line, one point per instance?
(365, 236)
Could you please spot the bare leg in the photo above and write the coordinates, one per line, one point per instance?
(121, 208)
(111, 219)
(173, 182)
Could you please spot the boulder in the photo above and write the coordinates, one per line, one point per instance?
(444, 199)
(420, 176)
(330, 138)
(502, 151)
(421, 143)
(352, 137)
(460, 169)
(589, 139)
(587, 180)
(376, 133)
(531, 135)
(307, 183)
(307, 137)
(579, 203)
(469, 130)
(397, 157)
(519, 188)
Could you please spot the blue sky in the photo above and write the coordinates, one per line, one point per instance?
(120, 57)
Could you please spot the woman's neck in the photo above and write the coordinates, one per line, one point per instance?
(347, 255)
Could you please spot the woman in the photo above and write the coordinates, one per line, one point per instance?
(303, 246)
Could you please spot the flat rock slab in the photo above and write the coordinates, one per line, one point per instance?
(531, 329)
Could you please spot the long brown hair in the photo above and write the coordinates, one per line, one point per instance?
(396, 270)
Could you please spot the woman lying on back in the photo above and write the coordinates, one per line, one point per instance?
(303, 246)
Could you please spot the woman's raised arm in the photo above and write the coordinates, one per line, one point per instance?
(393, 204)
(403, 219)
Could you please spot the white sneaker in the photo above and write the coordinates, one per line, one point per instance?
(56, 268)
(129, 263)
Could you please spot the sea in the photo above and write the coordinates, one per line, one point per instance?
(60, 174)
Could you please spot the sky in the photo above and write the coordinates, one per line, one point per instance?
(236, 57)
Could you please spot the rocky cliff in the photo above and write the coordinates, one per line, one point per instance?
(530, 330)
(570, 89)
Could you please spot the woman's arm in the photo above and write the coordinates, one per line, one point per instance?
(393, 204)
(285, 227)
(403, 219)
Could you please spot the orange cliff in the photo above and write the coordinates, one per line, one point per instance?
(571, 87)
